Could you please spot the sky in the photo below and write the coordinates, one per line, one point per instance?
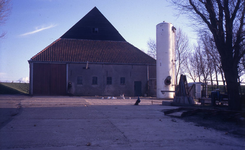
(32, 25)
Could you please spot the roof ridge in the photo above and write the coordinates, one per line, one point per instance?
(91, 40)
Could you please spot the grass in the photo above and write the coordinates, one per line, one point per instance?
(14, 88)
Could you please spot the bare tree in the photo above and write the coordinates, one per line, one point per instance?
(197, 65)
(152, 48)
(214, 57)
(4, 12)
(224, 19)
(181, 51)
(190, 65)
(203, 66)
(212, 53)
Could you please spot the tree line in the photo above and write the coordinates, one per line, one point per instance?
(221, 46)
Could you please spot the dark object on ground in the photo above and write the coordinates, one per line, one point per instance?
(88, 144)
(216, 96)
(137, 101)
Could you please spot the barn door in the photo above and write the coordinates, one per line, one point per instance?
(58, 79)
(137, 88)
(49, 79)
(41, 79)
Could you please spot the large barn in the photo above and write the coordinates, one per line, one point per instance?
(92, 58)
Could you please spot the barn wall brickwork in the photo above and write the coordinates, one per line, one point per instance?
(81, 78)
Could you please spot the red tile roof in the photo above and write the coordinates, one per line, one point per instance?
(79, 50)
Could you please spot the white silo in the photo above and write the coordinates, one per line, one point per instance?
(165, 47)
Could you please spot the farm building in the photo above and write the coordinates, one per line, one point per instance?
(92, 58)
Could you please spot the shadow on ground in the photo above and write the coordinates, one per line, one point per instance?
(231, 122)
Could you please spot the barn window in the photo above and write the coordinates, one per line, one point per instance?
(109, 80)
(95, 30)
(79, 80)
(122, 80)
(94, 80)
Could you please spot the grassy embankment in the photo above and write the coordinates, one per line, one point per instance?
(14, 88)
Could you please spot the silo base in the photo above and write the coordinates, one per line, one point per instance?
(165, 94)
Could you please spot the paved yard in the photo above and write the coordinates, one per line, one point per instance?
(95, 123)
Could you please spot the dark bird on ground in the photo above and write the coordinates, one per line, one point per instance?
(137, 101)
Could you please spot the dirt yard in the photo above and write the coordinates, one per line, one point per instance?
(75, 123)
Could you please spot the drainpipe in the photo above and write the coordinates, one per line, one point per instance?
(147, 73)
(148, 80)
(31, 78)
(67, 78)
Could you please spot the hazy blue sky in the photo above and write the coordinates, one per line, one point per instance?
(34, 24)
